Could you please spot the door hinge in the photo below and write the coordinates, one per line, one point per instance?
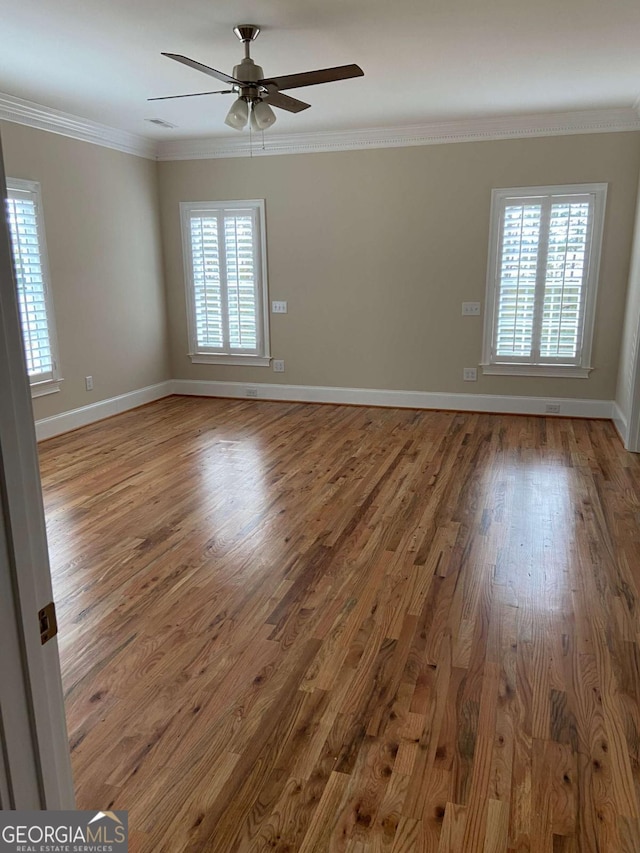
(48, 622)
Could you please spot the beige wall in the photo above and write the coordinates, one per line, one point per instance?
(373, 250)
(629, 350)
(103, 239)
(376, 250)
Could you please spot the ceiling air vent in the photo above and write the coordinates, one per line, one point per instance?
(161, 122)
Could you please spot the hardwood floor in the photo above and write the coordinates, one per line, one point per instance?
(288, 627)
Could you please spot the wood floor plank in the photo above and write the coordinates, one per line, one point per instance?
(287, 627)
(497, 827)
(453, 829)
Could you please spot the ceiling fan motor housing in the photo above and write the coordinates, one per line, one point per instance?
(248, 72)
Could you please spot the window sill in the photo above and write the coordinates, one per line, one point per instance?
(49, 386)
(563, 371)
(236, 360)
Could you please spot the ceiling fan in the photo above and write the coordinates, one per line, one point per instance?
(256, 92)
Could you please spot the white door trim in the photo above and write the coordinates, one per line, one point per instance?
(26, 568)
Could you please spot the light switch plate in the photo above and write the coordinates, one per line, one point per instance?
(470, 309)
(278, 307)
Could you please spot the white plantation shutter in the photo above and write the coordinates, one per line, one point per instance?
(518, 274)
(242, 296)
(26, 228)
(207, 286)
(223, 248)
(565, 279)
(543, 276)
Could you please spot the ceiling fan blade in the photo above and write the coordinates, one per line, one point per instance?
(193, 95)
(284, 102)
(220, 75)
(312, 78)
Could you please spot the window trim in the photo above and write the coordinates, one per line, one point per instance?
(202, 355)
(581, 369)
(41, 387)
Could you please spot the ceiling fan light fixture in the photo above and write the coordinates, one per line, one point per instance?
(238, 115)
(262, 116)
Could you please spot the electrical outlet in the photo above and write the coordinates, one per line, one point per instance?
(278, 365)
(552, 409)
(470, 309)
(251, 392)
(469, 374)
(278, 307)
(88, 383)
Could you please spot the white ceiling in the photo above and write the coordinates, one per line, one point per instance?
(424, 60)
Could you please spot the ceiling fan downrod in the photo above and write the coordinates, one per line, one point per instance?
(246, 33)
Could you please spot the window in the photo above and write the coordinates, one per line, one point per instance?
(544, 256)
(226, 277)
(26, 227)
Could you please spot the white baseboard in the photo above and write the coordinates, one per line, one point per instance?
(57, 424)
(400, 399)
(620, 422)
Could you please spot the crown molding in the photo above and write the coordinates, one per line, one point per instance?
(431, 133)
(28, 113)
(20, 111)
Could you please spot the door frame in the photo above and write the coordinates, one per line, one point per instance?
(35, 765)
